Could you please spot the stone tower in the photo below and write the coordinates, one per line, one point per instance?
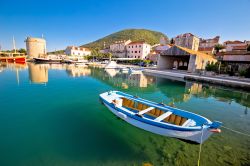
(36, 47)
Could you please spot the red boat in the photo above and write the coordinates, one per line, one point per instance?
(17, 59)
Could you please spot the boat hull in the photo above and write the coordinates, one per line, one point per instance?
(193, 136)
(19, 59)
(40, 60)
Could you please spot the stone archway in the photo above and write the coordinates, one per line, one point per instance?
(180, 63)
(175, 64)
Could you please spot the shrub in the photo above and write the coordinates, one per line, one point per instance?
(247, 74)
(242, 72)
(212, 67)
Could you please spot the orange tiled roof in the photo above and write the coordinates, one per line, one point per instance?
(205, 49)
(78, 48)
(233, 42)
(137, 42)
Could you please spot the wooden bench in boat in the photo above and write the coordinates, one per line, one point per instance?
(188, 123)
(163, 116)
(146, 110)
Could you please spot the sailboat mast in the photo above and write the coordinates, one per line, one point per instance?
(14, 44)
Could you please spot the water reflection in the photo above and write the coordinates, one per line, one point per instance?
(66, 106)
(38, 73)
(121, 80)
(175, 91)
(78, 71)
(111, 72)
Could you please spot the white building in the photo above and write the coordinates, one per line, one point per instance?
(187, 40)
(77, 51)
(118, 49)
(138, 50)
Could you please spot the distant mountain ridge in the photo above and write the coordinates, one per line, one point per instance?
(149, 36)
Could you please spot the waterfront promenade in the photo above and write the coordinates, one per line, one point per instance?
(235, 82)
(224, 80)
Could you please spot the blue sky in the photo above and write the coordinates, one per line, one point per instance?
(78, 22)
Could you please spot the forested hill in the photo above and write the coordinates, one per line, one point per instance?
(149, 36)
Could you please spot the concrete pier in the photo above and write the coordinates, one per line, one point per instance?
(224, 81)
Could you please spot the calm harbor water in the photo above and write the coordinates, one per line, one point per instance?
(51, 115)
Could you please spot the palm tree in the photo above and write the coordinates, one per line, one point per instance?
(218, 47)
(172, 41)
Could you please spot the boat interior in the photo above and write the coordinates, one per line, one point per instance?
(156, 114)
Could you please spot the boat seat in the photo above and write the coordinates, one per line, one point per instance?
(163, 116)
(146, 110)
(188, 123)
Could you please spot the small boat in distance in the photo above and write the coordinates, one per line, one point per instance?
(47, 60)
(159, 118)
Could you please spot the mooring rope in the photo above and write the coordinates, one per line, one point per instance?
(200, 147)
(248, 135)
(239, 132)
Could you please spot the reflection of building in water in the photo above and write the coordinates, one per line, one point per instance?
(139, 80)
(58, 66)
(111, 72)
(193, 88)
(219, 94)
(38, 73)
(78, 71)
(124, 85)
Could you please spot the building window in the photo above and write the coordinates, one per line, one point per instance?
(139, 51)
(132, 46)
(139, 45)
(132, 51)
(135, 51)
(136, 46)
(128, 46)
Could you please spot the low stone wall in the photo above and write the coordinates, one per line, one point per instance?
(220, 81)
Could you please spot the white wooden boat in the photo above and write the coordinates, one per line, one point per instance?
(159, 118)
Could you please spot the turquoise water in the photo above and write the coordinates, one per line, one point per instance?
(51, 115)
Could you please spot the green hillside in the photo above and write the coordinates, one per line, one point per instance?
(151, 37)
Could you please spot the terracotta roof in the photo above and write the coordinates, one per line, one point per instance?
(233, 42)
(78, 48)
(205, 49)
(137, 42)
